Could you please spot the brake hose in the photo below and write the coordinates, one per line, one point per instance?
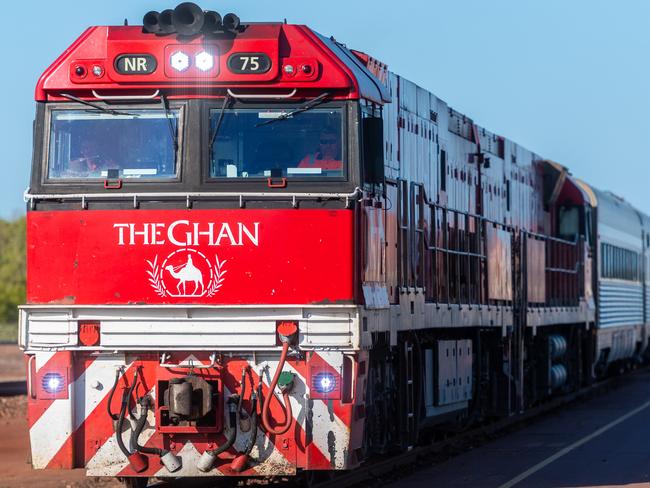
(243, 388)
(254, 424)
(284, 427)
(208, 458)
(126, 395)
(110, 396)
(171, 461)
(232, 421)
(139, 427)
(240, 462)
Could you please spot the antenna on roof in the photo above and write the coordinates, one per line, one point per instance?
(126, 21)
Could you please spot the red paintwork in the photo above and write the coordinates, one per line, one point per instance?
(284, 44)
(302, 257)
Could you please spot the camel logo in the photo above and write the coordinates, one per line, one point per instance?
(186, 273)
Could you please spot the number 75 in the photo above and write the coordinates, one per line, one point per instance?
(250, 62)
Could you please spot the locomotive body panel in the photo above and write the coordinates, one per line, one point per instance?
(210, 257)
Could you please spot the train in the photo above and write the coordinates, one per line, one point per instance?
(254, 251)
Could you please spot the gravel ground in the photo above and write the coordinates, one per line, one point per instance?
(13, 407)
(15, 470)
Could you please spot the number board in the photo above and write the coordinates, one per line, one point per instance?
(135, 64)
(249, 63)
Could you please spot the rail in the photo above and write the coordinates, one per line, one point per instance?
(189, 197)
(563, 270)
(451, 255)
(13, 388)
(394, 466)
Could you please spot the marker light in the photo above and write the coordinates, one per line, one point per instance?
(53, 382)
(324, 382)
(288, 69)
(97, 70)
(180, 61)
(204, 61)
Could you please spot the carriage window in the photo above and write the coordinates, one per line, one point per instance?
(86, 144)
(269, 142)
(619, 263)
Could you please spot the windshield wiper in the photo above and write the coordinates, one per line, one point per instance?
(307, 106)
(172, 133)
(97, 107)
(213, 137)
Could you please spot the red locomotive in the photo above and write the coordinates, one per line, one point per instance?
(254, 251)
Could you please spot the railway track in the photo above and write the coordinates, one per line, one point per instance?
(385, 469)
(392, 468)
(13, 388)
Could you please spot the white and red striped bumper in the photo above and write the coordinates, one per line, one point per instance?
(70, 427)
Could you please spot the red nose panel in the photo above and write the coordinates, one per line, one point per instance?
(190, 256)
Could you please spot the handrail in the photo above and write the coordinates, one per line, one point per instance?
(30, 387)
(550, 238)
(447, 257)
(274, 96)
(125, 97)
(84, 197)
(164, 356)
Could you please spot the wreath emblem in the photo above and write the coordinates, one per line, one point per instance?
(186, 273)
(218, 276)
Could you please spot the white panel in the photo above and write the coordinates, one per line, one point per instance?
(52, 328)
(188, 333)
(329, 329)
(446, 385)
(621, 303)
(150, 328)
(464, 368)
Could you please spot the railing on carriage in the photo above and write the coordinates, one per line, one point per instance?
(460, 258)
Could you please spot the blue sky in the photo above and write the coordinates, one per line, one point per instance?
(567, 79)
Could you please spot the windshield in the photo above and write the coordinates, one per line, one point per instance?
(252, 143)
(89, 144)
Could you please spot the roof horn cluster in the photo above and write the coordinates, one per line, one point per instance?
(187, 19)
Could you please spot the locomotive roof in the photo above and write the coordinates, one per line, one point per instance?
(91, 63)
(616, 213)
(345, 73)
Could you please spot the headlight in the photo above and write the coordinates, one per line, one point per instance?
(180, 61)
(324, 382)
(53, 382)
(204, 61)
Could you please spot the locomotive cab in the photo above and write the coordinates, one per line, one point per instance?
(193, 249)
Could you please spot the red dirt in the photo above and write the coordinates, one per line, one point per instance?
(14, 455)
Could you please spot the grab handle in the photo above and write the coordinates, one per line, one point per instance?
(30, 387)
(275, 96)
(281, 184)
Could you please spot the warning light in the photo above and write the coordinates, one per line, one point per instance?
(89, 333)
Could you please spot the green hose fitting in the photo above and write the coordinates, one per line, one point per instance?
(285, 381)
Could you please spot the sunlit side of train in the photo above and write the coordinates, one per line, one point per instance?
(254, 251)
